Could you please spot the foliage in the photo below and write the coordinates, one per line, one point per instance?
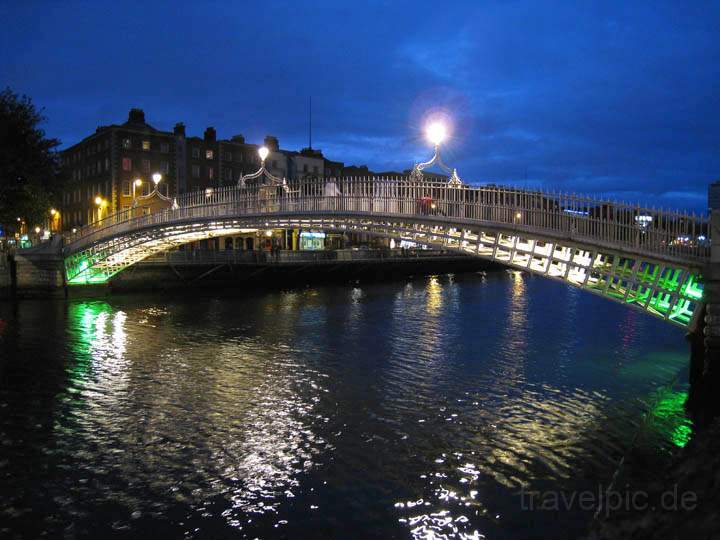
(29, 164)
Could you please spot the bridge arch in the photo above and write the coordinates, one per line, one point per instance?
(590, 244)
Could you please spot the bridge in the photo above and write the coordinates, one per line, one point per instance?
(651, 260)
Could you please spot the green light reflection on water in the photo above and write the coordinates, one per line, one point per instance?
(668, 418)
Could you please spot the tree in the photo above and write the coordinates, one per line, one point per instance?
(29, 164)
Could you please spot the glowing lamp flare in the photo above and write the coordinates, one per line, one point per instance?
(98, 200)
(138, 182)
(263, 152)
(156, 178)
(436, 133)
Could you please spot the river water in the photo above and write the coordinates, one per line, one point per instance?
(416, 408)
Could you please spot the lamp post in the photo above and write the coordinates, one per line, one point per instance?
(101, 203)
(136, 184)
(54, 220)
(156, 177)
(264, 152)
(436, 133)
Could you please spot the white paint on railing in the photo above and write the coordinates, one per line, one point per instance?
(580, 218)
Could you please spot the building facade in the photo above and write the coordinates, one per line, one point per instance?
(103, 169)
(109, 169)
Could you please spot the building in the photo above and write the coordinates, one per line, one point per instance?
(103, 167)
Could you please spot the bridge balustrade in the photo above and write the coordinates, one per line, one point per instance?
(583, 218)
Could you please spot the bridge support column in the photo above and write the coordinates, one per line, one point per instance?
(705, 337)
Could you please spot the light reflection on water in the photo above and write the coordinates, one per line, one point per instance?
(413, 409)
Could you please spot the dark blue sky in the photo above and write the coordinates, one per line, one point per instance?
(619, 98)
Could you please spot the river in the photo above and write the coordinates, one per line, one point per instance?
(415, 408)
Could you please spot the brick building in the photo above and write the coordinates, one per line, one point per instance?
(105, 165)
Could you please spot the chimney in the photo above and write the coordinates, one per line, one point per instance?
(179, 129)
(136, 116)
(238, 139)
(210, 134)
(272, 143)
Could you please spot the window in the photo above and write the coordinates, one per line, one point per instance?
(107, 164)
(211, 173)
(127, 164)
(305, 168)
(126, 143)
(165, 166)
(196, 171)
(274, 163)
(126, 188)
(164, 148)
(146, 145)
(146, 165)
(228, 174)
(315, 169)
(228, 155)
(208, 154)
(196, 153)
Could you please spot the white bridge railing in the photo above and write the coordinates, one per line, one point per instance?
(649, 231)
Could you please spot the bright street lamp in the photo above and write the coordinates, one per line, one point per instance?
(101, 203)
(136, 184)
(263, 152)
(156, 178)
(436, 133)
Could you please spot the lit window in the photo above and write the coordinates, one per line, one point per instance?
(146, 145)
(208, 154)
(126, 188)
(164, 147)
(146, 165)
(196, 171)
(127, 164)
(126, 143)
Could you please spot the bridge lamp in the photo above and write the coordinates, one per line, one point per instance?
(53, 211)
(37, 230)
(263, 152)
(436, 133)
(98, 200)
(156, 178)
(518, 216)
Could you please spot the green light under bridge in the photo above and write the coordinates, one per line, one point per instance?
(80, 272)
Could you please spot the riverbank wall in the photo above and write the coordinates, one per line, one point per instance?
(269, 273)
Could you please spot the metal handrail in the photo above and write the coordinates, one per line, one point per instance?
(667, 233)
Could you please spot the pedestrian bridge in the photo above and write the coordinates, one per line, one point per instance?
(649, 259)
